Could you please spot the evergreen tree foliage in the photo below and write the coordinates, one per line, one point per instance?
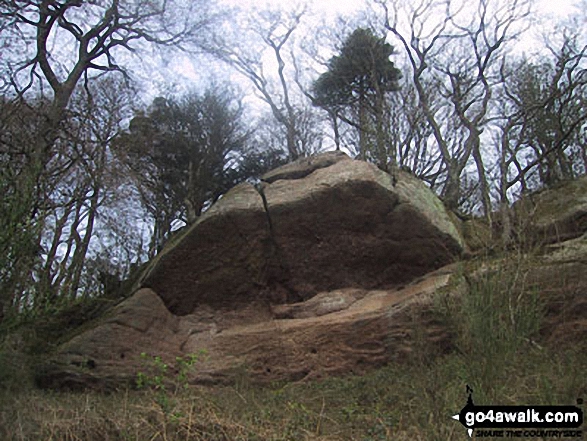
(181, 152)
(358, 78)
(185, 152)
(363, 69)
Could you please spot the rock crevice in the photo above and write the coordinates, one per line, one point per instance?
(341, 224)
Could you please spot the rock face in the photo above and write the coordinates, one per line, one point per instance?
(329, 266)
(109, 353)
(325, 267)
(557, 219)
(346, 331)
(560, 275)
(319, 224)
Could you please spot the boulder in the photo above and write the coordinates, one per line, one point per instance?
(371, 329)
(558, 273)
(329, 266)
(316, 225)
(553, 215)
(324, 267)
(346, 331)
(337, 332)
(106, 352)
(321, 304)
(223, 260)
(303, 167)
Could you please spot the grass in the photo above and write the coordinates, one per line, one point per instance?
(407, 402)
(496, 352)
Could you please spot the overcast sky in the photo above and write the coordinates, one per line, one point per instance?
(557, 7)
(186, 72)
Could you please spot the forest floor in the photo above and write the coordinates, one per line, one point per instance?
(414, 401)
(498, 352)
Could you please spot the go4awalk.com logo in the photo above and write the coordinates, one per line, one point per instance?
(520, 421)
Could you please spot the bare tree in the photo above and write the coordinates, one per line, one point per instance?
(271, 30)
(314, 48)
(19, 233)
(549, 101)
(410, 137)
(86, 180)
(56, 44)
(66, 40)
(540, 136)
(458, 51)
(76, 183)
(59, 43)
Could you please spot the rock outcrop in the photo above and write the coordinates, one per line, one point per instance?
(372, 329)
(329, 266)
(319, 224)
(554, 215)
(560, 275)
(325, 267)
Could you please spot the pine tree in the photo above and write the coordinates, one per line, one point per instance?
(358, 78)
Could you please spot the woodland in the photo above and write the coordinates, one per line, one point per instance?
(104, 155)
(123, 121)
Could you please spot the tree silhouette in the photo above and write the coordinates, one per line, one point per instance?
(358, 78)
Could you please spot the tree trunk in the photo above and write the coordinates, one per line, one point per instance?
(362, 126)
(382, 156)
(451, 192)
(484, 187)
(335, 128)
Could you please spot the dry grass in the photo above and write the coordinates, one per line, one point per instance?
(411, 402)
(496, 354)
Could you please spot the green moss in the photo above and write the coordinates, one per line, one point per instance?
(414, 191)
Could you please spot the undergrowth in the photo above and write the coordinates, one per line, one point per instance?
(496, 351)
(393, 403)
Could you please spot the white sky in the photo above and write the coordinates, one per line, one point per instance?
(187, 72)
(333, 7)
(558, 8)
(325, 6)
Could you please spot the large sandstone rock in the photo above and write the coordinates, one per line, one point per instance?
(334, 333)
(330, 267)
(223, 260)
(341, 331)
(303, 167)
(108, 353)
(556, 220)
(316, 225)
(560, 275)
(320, 269)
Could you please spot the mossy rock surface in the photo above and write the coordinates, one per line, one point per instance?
(320, 224)
(553, 215)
